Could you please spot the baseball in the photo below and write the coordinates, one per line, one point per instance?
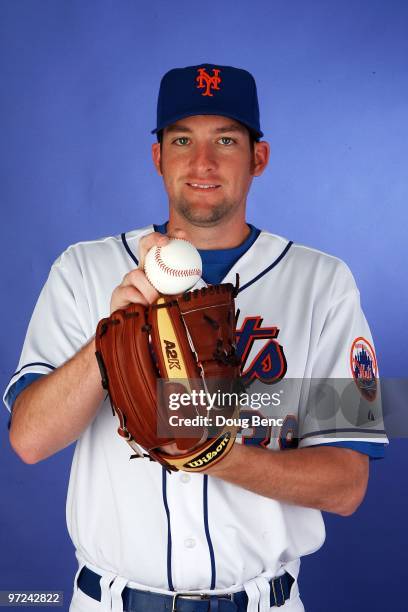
(173, 268)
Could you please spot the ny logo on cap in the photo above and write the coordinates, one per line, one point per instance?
(207, 82)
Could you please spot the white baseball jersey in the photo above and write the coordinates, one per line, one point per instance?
(299, 318)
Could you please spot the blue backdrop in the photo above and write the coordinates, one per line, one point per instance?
(79, 82)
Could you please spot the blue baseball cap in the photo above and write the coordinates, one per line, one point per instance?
(208, 89)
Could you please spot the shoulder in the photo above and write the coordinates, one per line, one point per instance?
(313, 266)
(87, 272)
(107, 252)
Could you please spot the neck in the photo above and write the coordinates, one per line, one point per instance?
(227, 234)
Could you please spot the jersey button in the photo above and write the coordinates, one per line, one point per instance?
(185, 477)
(189, 542)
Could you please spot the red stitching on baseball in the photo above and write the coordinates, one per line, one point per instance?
(172, 271)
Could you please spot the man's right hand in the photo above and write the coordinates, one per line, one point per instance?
(135, 288)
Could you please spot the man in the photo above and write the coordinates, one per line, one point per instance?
(147, 540)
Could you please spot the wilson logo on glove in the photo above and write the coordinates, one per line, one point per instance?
(213, 453)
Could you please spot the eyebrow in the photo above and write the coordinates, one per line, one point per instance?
(232, 127)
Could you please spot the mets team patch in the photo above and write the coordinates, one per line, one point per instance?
(363, 365)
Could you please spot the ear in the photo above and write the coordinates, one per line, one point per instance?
(156, 154)
(261, 157)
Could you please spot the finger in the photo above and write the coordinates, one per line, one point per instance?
(137, 278)
(123, 296)
(177, 232)
(170, 449)
(149, 241)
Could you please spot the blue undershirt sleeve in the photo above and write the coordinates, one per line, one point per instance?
(19, 386)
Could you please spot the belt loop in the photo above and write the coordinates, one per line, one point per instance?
(278, 591)
(275, 599)
(80, 568)
(116, 593)
(265, 594)
(105, 582)
(214, 604)
(253, 595)
(283, 591)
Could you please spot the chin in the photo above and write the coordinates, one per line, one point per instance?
(204, 215)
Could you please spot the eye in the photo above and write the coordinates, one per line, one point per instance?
(227, 141)
(181, 141)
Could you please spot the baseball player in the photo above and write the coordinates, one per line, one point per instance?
(231, 538)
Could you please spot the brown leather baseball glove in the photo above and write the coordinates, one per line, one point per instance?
(181, 344)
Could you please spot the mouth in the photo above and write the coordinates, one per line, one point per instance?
(203, 186)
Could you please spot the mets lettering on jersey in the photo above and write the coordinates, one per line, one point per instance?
(269, 363)
(299, 318)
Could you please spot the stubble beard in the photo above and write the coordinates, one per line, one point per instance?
(205, 218)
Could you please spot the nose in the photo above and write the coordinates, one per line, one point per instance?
(203, 159)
